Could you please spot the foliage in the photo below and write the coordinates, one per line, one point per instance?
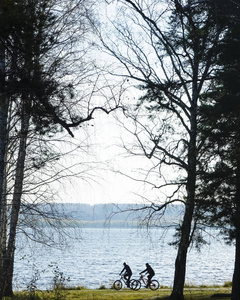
(220, 130)
(220, 192)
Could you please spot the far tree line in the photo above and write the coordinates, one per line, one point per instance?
(183, 56)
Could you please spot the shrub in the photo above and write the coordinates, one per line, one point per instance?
(228, 284)
(25, 296)
(102, 287)
(59, 284)
(164, 287)
(75, 288)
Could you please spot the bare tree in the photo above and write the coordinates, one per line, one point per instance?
(169, 49)
(51, 82)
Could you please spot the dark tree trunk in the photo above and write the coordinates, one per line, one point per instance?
(9, 262)
(3, 120)
(3, 142)
(236, 274)
(181, 259)
(180, 262)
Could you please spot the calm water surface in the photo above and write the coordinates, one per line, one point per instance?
(97, 257)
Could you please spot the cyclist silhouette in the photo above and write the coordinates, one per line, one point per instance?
(128, 273)
(150, 272)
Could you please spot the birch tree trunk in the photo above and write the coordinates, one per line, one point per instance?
(16, 202)
(3, 142)
(3, 120)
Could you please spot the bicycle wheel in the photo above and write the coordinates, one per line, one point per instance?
(117, 285)
(154, 285)
(135, 284)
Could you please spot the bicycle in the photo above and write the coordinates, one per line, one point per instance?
(154, 284)
(118, 284)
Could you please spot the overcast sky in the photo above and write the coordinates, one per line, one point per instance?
(104, 141)
(104, 185)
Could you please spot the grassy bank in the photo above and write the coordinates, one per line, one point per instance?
(191, 293)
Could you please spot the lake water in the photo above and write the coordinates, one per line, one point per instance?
(96, 259)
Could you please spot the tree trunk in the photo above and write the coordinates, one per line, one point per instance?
(3, 227)
(3, 142)
(9, 261)
(3, 237)
(236, 274)
(3, 120)
(181, 259)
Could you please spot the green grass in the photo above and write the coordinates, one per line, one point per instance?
(190, 293)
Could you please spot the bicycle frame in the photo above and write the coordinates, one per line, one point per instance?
(143, 279)
(122, 278)
(153, 284)
(119, 282)
(135, 284)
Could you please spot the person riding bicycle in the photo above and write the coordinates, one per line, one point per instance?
(150, 272)
(128, 273)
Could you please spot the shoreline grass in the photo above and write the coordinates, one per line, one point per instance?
(190, 293)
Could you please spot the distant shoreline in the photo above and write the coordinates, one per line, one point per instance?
(106, 215)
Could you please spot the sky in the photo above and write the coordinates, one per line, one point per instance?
(103, 183)
(104, 139)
